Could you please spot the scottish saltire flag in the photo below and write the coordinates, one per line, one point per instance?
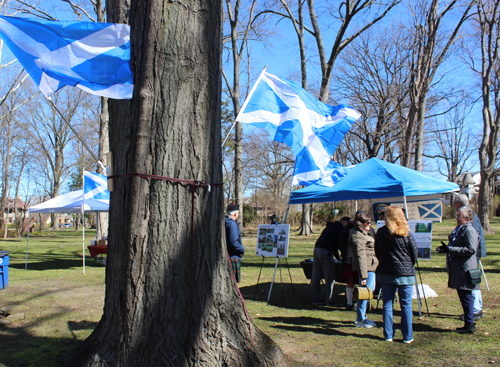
(292, 116)
(94, 57)
(95, 186)
(334, 171)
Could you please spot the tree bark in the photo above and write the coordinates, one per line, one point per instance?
(170, 299)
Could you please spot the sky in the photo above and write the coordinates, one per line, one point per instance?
(280, 54)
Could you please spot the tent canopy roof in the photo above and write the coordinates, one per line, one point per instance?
(70, 203)
(375, 179)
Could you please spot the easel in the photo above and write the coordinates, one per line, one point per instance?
(278, 261)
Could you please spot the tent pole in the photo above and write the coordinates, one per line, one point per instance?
(420, 275)
(27, 242)
(83, 239)
(356, 207)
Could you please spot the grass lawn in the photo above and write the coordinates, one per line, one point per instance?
(54, 307)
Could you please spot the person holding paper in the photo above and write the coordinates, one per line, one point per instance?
(460, 260)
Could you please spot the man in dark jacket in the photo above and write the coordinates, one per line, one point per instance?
(326, 248)
(235, 247)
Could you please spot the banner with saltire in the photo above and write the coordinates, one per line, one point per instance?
(94, 57)
(95, 186)
(312, 129)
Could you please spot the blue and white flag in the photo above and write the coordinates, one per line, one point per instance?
(94, 57)
(95, 186)
(292, 116)
(334, 171)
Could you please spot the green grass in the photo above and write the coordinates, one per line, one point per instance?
(63, 306)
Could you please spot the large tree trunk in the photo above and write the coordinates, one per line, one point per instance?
(170, 299)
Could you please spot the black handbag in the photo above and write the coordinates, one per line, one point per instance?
(475, 276)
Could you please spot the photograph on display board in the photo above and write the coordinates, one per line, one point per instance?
(422, 232)
(272, 240)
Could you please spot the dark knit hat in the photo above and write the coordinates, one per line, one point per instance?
(233, 208)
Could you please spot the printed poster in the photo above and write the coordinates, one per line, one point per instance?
(417, 210)
(272, 240)
(422, 232)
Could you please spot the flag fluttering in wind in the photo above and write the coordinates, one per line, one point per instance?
(95, 186)
(334, 173)
(292, 116)
(92, 56)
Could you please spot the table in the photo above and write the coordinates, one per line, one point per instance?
(97, 250)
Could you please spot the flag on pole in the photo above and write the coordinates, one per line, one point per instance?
(292, 116)
(95, 186)
(94, 57)
(334, 173)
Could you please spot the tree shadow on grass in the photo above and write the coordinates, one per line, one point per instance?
(334, 327)
(19, 347)
(317, 326)
(53, 263)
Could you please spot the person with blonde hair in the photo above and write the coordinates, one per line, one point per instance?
(397, 253)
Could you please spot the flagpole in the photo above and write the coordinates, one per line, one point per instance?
(244, 104)
(290, 196)
(78, 136)
(83, 221)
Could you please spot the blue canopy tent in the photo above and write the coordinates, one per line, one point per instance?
(374, 179)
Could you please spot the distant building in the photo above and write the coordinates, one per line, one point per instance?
(14, 208)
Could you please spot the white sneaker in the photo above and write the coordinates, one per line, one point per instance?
(363, 325)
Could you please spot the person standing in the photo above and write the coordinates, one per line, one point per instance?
(325, 249)
(460, 259)
(235, 247)
(397, 254)
(458, 202)
(348, 276)
(364, 262)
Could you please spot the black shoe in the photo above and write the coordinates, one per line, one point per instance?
(477, 316)
(350, 307)
(467, 329)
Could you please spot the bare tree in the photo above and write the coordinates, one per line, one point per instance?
(272, 163)
(170, 298)
(349, 12)
(372, 77)
(488, 19)
(242, 25)
(51, 135)
(453, 143)
(431, 47)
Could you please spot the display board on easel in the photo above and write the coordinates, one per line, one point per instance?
(272, 240)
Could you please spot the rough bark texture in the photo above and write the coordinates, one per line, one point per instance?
(170, 299)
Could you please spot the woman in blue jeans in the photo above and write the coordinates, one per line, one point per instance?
(396, 251)
(364, 262)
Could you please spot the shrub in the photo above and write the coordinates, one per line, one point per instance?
(249, 214)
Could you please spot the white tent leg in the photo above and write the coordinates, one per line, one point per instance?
(27, 242)
(83, 241)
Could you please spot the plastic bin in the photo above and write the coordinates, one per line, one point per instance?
(4, 269)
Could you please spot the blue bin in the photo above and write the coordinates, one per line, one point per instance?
(4, 269)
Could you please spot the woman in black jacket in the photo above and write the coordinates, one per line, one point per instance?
(396, 251)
